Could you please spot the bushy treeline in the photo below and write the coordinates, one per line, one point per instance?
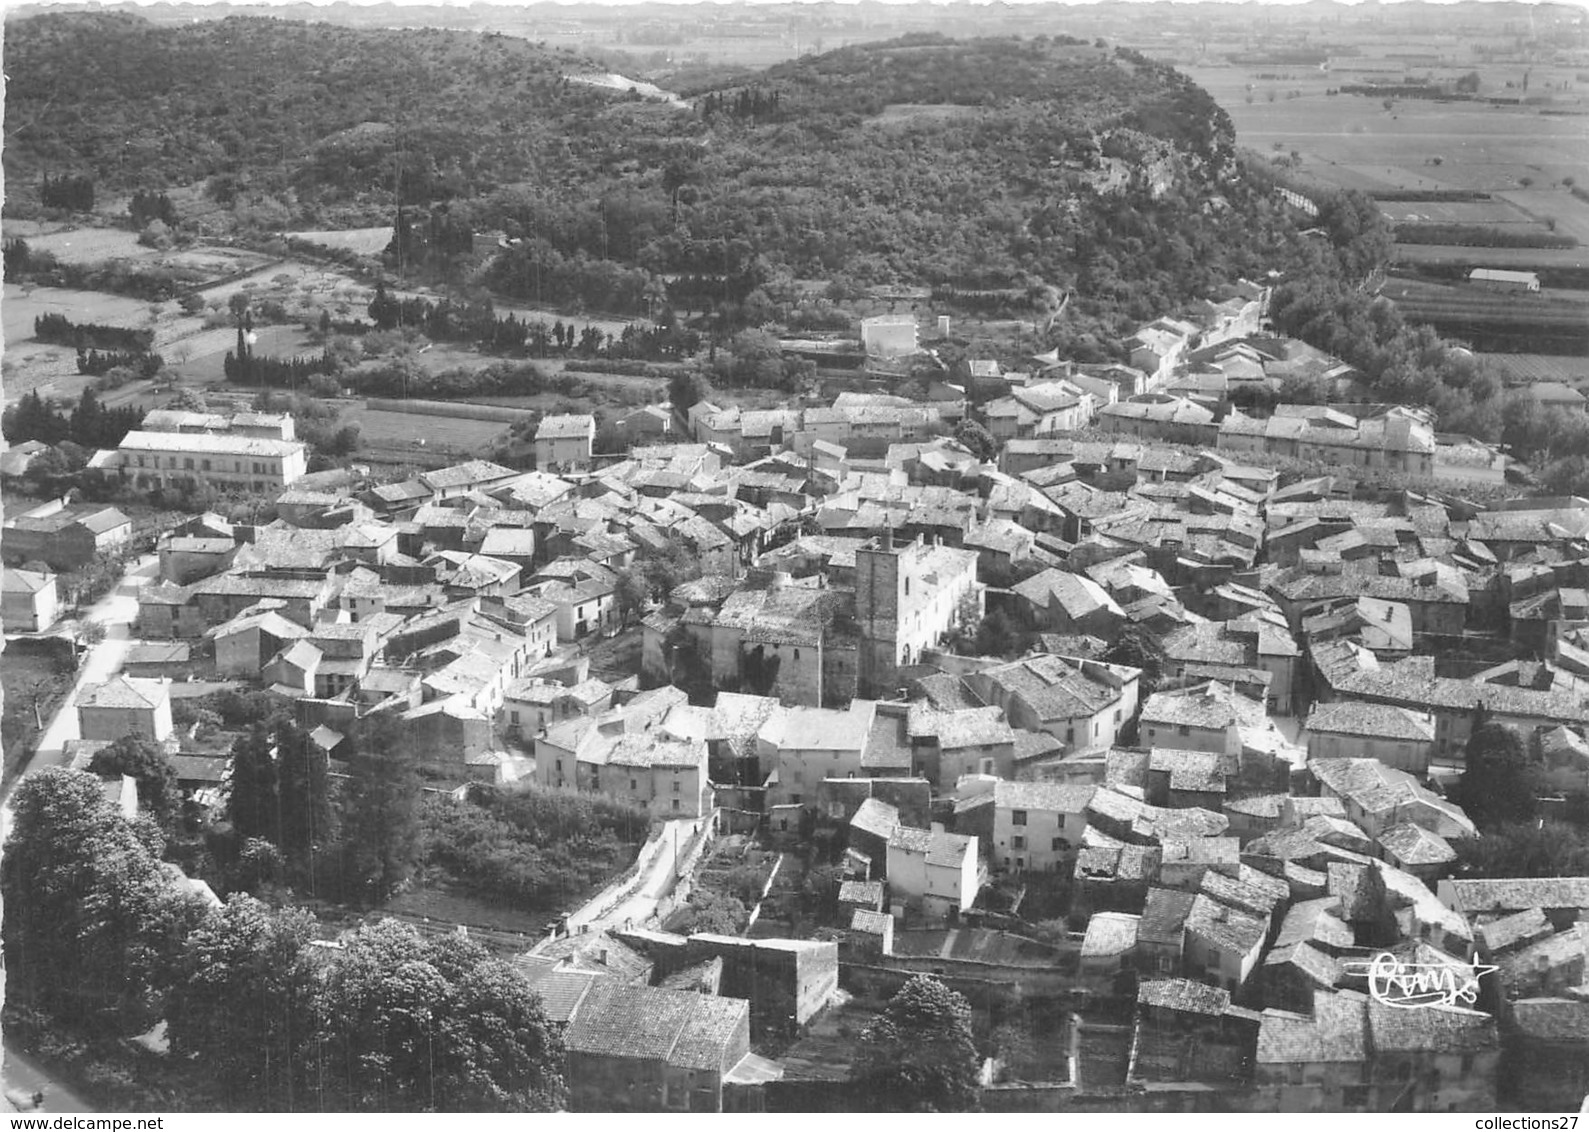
(1482, 236)
(146, 207)
(102, 942)
(535, 849)
(406, 377)
(156, 284)
(96, 362)
(62, 331)
(67, 191)
(277, 373)
(89, 423)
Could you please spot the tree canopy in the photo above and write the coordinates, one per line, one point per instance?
(918, 1055)
(93, 921)
(408, 1024)
(145, 762)
(1498, 781)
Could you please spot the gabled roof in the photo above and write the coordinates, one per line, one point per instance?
(876, 818)
(126, 692)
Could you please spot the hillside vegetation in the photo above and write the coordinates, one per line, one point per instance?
(1071, 167)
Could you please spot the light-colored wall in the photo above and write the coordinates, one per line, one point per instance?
(109, 724)
(1412, 757)
(1040, 830)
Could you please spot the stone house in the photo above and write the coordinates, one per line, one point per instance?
(125, 705)
(564, 442)
(1396, 736)
(64, 537)
(936, 872)
(30, 601)
(645, 1049)
(1083, 702)
(1038, 825)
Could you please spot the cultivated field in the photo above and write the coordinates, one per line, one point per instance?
(1541, 367)
(1352, 141)
(1556, 322)
(1517, 259)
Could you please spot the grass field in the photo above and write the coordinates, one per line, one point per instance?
(903, 113)
(1485, 212)
(80, 245)
(91, 245)
(381, 427)
(365, 241)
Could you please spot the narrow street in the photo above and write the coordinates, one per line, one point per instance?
(116, 611)
(22, 1078)
(658, 881)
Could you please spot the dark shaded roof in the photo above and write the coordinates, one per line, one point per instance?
(1183, 995)
(1164, 915)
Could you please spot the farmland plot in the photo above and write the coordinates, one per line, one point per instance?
(1352, 141)
(364, 241)
(384, 428)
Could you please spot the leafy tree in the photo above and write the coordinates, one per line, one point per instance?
(146, 763)
(687, 387)
(1525, 849)
(93, 922)
(667, 569)
(1498, 781)
(252, 795)
(412, 1025)
(978, 439)
(633, 592)
(1136, 649)
(380, 812)
(307, 810)
(918, 1055)
(245, 1004)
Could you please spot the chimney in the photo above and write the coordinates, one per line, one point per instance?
(937, 827)
(943, 326)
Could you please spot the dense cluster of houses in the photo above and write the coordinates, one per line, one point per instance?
(1229, 744)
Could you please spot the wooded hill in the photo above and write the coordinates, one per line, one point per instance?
(970, 164)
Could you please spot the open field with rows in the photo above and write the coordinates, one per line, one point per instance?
(1556, 322)
(1516, 259)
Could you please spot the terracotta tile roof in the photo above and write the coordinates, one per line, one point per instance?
(1414, 845)
(1164, 915)
(1378, 721)
(1336, 1032)
(1183, 995)
(1443, 1029)
(1109, 934)
(1552, 1019)
(1517, 930)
